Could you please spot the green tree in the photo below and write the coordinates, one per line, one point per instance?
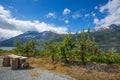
(32, 44)
(66, 47)
(26, 49)
(81, 45)
(18, 46)
(51, 47)
(84, 44)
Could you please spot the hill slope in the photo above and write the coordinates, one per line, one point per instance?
(38, 36)
(103, 37)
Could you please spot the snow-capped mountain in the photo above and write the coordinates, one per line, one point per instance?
(39, 36)
(109, 36)
(113, 27)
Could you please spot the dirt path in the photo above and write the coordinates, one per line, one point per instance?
(31, 74)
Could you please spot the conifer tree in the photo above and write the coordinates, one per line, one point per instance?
(66, 46)
(32, 44)
(18, 46)
(51, 47)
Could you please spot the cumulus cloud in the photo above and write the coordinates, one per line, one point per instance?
(76, 15)
(50, 15)
(96, 20)
(4, 33)
(113, 10)
(111, 6)
(66, 21)
(13, 26)
(66, 11)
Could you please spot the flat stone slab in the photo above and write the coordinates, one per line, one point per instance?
(16, 56)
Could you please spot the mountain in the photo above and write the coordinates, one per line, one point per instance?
(114, 27)
(38, 36)
(109, 37)
(2, 39)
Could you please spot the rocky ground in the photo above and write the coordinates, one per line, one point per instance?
(30, 74)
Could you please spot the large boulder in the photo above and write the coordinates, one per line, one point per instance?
(25, 65)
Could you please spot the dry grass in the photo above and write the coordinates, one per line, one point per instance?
(5, 54)
(85, 74)
(93, 71)
(45, 63)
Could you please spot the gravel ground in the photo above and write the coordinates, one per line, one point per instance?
(30, 74)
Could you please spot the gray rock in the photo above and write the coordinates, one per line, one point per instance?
(30, 74)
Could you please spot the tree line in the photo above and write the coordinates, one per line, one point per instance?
(83, 48)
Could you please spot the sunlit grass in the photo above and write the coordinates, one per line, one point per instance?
(79, 72)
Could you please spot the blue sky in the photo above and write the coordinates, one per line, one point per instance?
(57, 15)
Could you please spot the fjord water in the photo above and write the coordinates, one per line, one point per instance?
(7, 48)
(107, 48)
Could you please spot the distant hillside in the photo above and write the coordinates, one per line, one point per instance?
(109, 36)
(38, 36)
(103, 37)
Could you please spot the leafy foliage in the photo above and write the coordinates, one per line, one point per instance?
(81, 46)
(66, 48)
(27, 49)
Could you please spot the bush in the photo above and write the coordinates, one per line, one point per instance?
(115, 58)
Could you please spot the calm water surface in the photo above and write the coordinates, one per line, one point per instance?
(7, 48)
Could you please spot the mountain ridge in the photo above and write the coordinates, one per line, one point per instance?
(109, 36)
(39, 36)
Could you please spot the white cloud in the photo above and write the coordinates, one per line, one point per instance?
(96, 7)
(66, 11)
(4, 13)
(9, 33)
(86, 15)
(111, 6)
(93, 14)
(113, 10)
(76, 15)
(50, 14)
(66, 21)
(96, 20)
(12, 26)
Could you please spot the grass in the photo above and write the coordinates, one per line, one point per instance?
(92, 71)
(5, 54)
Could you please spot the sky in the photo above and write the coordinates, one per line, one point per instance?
(60, 16)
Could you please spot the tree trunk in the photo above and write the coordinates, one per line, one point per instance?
(15, 64)
(66, 61)
(83, 58)
(53, 59)
(6, 61)
(34, 53)
(83, 54)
